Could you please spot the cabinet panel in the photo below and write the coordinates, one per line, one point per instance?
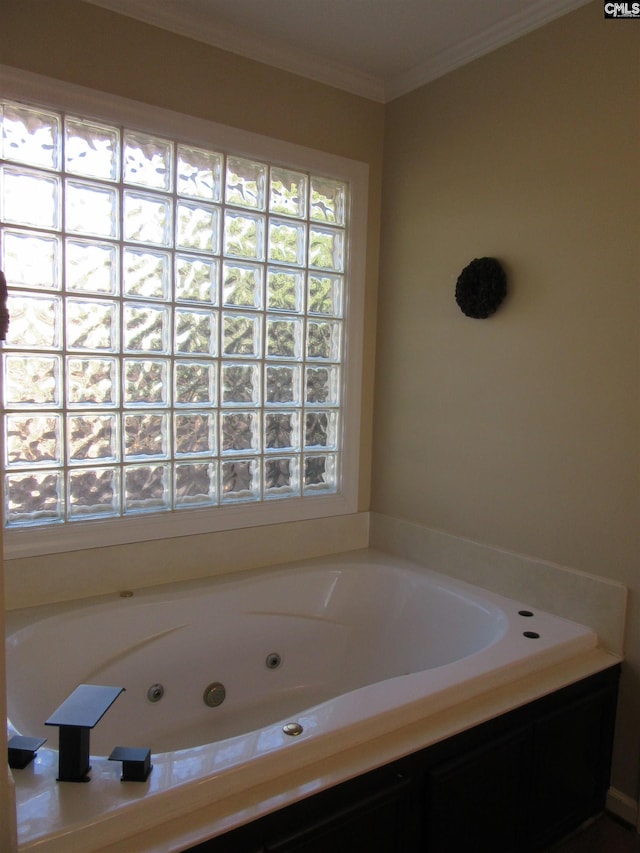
(379, 823)
(474, 802)
(570, 765)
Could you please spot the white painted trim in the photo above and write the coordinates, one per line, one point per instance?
(623, 807)
(242, 42)
(288, 57)
(65, 577)
(8, 824)
(8, 820)
(518, 24)
(18, 84)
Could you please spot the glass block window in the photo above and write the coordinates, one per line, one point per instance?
(177, 323)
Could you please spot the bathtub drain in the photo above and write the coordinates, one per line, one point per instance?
(273, 660)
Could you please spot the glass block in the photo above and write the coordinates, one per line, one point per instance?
(323, 385)
(323, 340)
(196, 280)
(282, 385)
(287, 242)
(30, 199)
(240, 384)
(199, 173)
(195, 434)
(91, 267)
(240, 480)
(195, 484)
(326, 249)
(147, 161)
(146, 488)
(328, 200)
(281, 477)
(92, 436)
(145, 382)
(240, 431)
(31, 260)
(145, 434)
(325, 295)
(244, 235)
(240, 335)
(195, 383)
(91, 209)
(92, 381)
(321, 430)
(197, 227)
(92, 324)
(288, 192)
(146, 274)
(94, 493)
(32, 380)
(246, 183)
(147, 219)
(195, 332)
(31, 136)
(285, 290)
(32, 440)
(281, 430)
(320, 473)
(92, 150)
(284, 338)
(242, 285)
(35, 496)
(35, 321)
(145, 328)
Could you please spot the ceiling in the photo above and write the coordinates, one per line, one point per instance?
(379, 49)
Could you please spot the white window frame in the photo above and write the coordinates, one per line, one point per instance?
(78, 535)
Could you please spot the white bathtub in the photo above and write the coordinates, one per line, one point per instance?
(365, 645)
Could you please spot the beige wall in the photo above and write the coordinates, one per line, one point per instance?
(522, 430)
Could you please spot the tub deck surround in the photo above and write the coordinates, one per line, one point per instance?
(360, 672)
(580, 596)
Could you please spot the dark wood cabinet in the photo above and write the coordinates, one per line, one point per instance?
(571, 757)
(379, 821)
(377, 812)
(512, 785)
(474, 801)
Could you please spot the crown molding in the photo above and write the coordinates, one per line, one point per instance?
(233, 39)
(488, 40)
(287, 57)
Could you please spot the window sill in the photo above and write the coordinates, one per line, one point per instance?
(82, 535)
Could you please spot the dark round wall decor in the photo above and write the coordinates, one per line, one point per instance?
(481, 287)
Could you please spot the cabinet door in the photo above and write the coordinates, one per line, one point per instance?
(474, 801)
(382, 822)
(571, 755)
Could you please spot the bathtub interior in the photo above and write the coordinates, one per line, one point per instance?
(279, 643)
